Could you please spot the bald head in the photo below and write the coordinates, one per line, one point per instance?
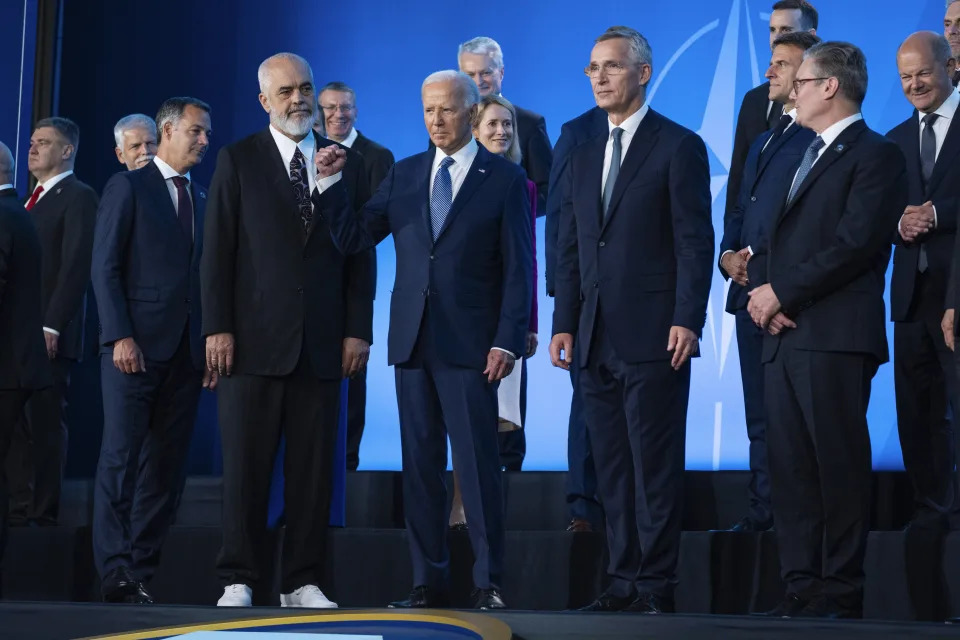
(925, 64)
(288, 94)
(6, 164)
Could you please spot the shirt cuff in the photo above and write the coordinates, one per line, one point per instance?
(325, 183)
(53, 331)
(934, 207)
(510, 353)
(900, 231)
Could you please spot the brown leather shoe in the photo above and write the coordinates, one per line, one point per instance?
(579, 525)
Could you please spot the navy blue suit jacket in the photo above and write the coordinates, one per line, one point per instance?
(573, 133)
(760, 200)
(476, 276)
(648, 264)
(944, 191)
(146, 274)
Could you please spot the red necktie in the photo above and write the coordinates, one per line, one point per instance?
(184, 207)
(33, 198)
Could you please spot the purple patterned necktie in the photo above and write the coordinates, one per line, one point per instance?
(184, 207)
(301, 188)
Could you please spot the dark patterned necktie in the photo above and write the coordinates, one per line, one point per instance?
(301, 188)
(782, 125)
(184, 207)
(928, 159)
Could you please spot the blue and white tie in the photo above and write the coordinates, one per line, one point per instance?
(441, 197)
(805, 165)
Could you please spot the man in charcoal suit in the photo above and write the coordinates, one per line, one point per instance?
(7, 167)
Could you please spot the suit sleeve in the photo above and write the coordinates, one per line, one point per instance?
(558, 169)
(379, 166)
(6, 251)
(537, 159)
(355, 232)
(947, 209)
(79, 221)
(741, 145)
(876, 198)
(693, 240)
(733, 223)
(360, 272)
(111, 238)
(220, 237)
(516, 245)
(566, 308)
(534, 309)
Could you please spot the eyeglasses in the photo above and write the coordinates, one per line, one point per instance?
(799, 82)
(333, 108)
(609, 68)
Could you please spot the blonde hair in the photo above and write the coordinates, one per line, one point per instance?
(513, 153)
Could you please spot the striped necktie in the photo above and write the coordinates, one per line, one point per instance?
(441, 198)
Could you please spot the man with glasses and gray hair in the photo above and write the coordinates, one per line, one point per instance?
(822, 305)
(635, 256)
(136, 138)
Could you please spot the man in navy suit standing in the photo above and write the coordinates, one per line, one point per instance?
(772, 158)
(460, 221)
(146, 259)
(635, 254)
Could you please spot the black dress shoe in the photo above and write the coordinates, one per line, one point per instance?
(120, 585)
(826, 607)
(749, 525)
(791, 606)
(459, 526)
(422, 597)
(487, 599)
(608, 602)
(651, 604)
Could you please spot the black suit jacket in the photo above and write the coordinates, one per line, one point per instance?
(647, 266)
(9, 193)
(944, 191)
(262, 279)
(65, 218)
(376, 158)
(23, 353)
(752, 120)
(829, 248)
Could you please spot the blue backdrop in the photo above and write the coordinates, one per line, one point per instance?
(120, 57)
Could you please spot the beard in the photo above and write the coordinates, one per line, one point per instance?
(297, 124)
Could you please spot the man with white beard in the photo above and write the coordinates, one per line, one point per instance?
(286, 317)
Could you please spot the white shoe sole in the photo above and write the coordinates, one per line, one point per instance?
(285, 603)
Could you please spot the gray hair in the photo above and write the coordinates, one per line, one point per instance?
(468, 88)
(639, 47)
(7, 164)
(846, 63)
(949, 2)
(341, 87)
(263, 71)
(483, 46)
(172, 110)
(133, 121)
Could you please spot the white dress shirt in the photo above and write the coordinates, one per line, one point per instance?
(288, 147)
(51, 183)
(629, 126)
(462, 161)
(168, 174)
(351, 138)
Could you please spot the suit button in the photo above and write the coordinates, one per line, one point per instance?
(602, 243)
(753, 198)
(433, 257)
(299, 289)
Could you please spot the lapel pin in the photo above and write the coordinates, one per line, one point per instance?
(482, 170)
(840, 148)
(203, 195)
(59, 190)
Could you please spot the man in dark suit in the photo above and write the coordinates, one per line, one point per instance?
(7, 166)
(460, 219)
(924, 373)
(149, 239)
(951, 31)
(24, 366)
(64, 210)
(758, 111)
(585, 511)
(286, 317)
(136, 138)
(635, 255)
(822, 304)
(338, 106)
(772, 159)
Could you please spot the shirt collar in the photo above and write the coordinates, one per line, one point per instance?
(288, 147)
(4, 187)
(462, 158)
(947, 109)
(351, 138)
(832, 132)
(631, 124)
(167, 171)
(52, 182)
(793, 115)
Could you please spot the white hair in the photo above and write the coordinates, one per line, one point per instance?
(133, 121)
(484, 46)
(263, 72)
(468, 88)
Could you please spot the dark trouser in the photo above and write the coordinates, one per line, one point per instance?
(926, 386)
(581, 474)
(254, 412)
(437, 399)
(356, 417)
(11, 407)
(147, 424)
(750, 347)
(513, 444)
(38, 452)
(820, 469)
(636, 414)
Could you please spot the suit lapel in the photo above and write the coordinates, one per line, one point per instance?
(593, 151)
(423, 192)
(773, 116)
(948, 152)
(839, 146)
(50, 200)
(774, 147)
(475, 176)
(199, 211)
(157, 188)
(643, 142)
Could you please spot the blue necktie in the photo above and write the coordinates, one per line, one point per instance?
(808, 159)
(441, 197)
(613, 171)
(928, 159)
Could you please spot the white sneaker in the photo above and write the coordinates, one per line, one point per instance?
(308, 596)
(236, 595)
